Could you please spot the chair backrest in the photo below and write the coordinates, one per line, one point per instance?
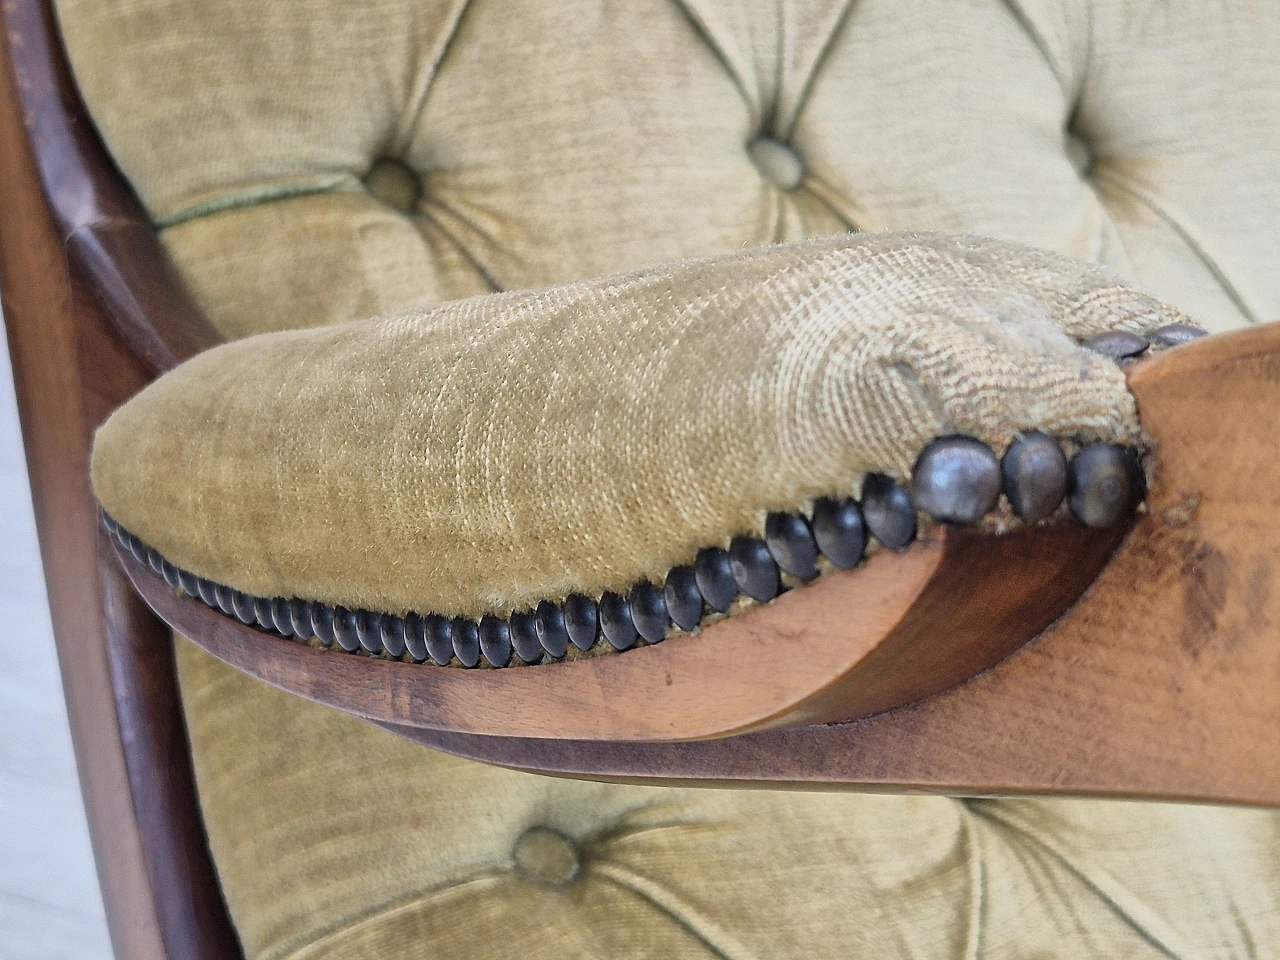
(81, 274)
(93, 312)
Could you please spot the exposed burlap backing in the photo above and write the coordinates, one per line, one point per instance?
(488, 453)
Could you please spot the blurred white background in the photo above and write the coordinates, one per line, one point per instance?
(50, 905)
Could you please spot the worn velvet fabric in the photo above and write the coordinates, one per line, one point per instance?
(568, 140)
(559, 140)
(509, 448)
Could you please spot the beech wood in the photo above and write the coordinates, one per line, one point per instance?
(853, 643)
(68, 226)
(1162, 682)
(112, 244)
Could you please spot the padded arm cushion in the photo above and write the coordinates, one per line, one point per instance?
(492, 452)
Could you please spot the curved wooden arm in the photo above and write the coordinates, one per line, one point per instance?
(1162, 682)
(851, 644)
(111, 244)
(1163, 679)
(92, 313)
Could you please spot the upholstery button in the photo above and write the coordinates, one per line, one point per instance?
(777, 161)
(546, 856)
(1080, 154)
(394, 184)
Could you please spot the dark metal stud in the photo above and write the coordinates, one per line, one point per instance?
(281, 618)
(956, 480)
(495, 640)
(190, 583)
(394, 640)
(207, 590)
(300, 618)
(1172, 334)
(524, 636)
(1104, 485)
(581, 620)
(170, 574)
(415, 637)
(345, 629)
(1118, 344)
(439, 638)
(715, 580)
(154, 560)
(222, 596)
(790, 542)
(648, 611)
(683, 598)
(262, 613)
(839, 531)
(322, 623)
(466, 641)
(615, 621)
(1035, 475)
(552, 633)
(753, 568)
(369, 630)
(887, 511)
(242, 605)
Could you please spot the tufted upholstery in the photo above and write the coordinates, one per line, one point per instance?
(562, 140)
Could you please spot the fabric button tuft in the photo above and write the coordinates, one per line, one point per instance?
(395, 184)
(546, 856)
(1079, 153)
(777, 162)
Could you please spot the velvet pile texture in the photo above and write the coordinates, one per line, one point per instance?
(312, 163)
(508, 448)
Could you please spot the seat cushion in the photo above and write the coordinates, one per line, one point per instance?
(560, 140)
(336, 840)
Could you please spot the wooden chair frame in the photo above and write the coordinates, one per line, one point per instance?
(1148, 666)
(78, 261)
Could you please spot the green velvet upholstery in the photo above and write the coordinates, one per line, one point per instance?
(555, 141)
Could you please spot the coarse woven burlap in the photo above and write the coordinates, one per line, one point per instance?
(486, 454)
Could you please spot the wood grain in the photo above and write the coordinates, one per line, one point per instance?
(853, 643)
(111, 244)
(1162, 682)
(68, 224)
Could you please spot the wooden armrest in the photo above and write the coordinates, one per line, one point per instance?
(1142, 664)
(851, 644)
